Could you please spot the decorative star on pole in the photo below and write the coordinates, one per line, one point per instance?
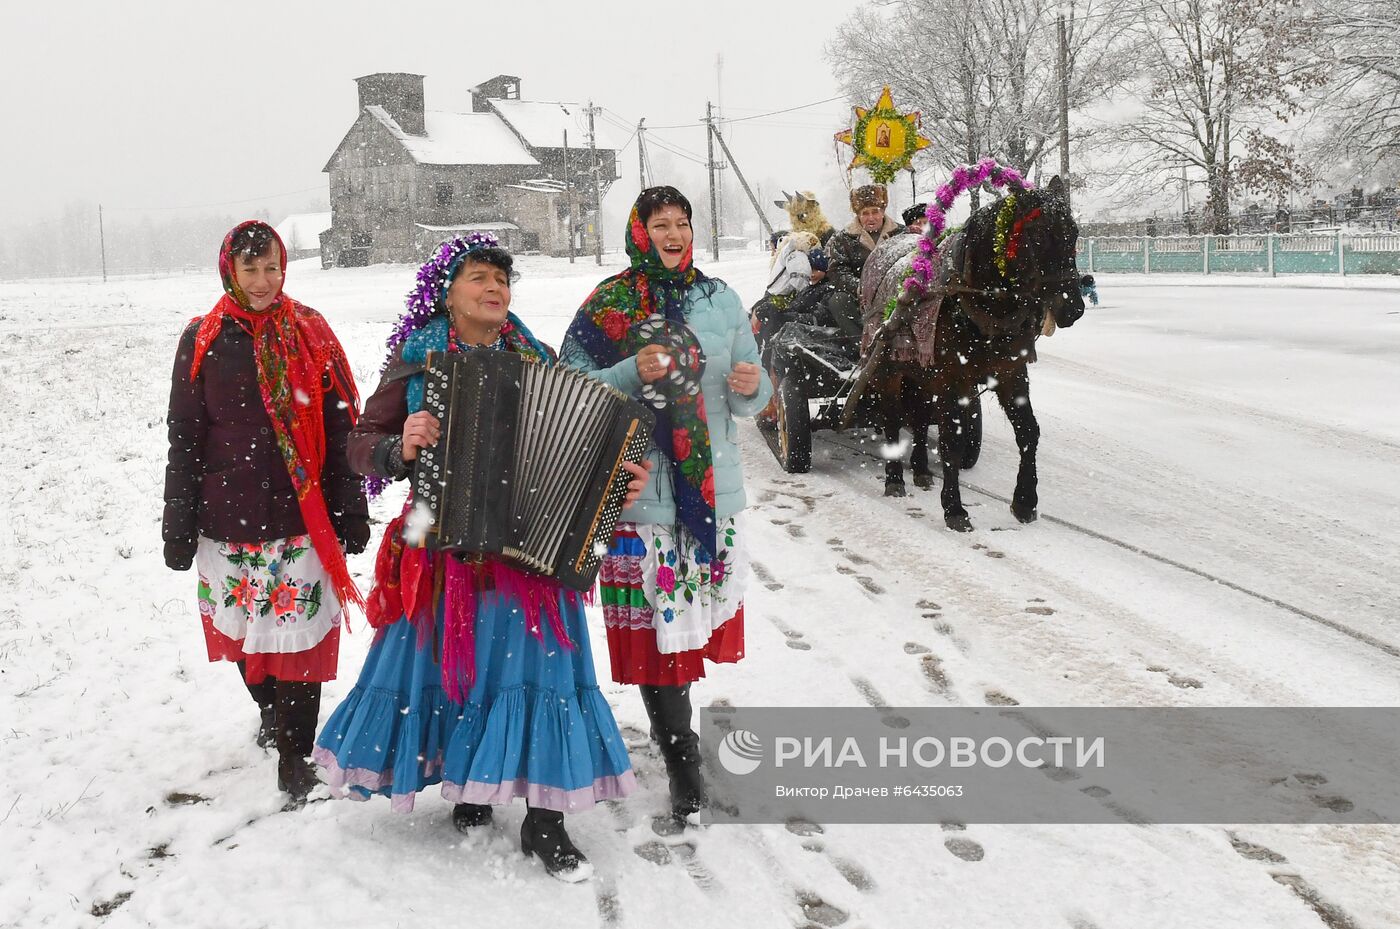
(884, 139)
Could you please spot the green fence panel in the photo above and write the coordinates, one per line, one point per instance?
(1239, 254)
(1301, 253)
(1376, 254)
(1177, 253)
(1306, 254)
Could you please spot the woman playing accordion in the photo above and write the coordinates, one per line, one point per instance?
(480, 676)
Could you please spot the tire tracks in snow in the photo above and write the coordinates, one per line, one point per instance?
(1358, 635)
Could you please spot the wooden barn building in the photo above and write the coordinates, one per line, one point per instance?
(404, 177)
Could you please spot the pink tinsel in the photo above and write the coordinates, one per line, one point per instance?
(964, 178)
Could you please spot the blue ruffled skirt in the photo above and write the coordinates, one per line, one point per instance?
(534, 725)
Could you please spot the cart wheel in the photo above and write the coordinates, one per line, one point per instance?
(768, 417)
(794, 428)
(973, 449)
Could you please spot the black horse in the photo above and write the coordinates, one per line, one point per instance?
(1000, 280)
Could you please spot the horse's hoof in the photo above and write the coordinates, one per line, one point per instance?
(958, 522)
(894, 488)
(924, 481)
(1024, 514)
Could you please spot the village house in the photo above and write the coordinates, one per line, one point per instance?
(404, 177)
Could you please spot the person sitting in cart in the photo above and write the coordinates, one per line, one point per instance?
(849, 249)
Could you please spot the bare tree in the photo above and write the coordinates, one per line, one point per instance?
(984, 72)
(1220, 76)
(1363, 100)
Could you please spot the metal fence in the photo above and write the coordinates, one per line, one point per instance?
(1270, 253)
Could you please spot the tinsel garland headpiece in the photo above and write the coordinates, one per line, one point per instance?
(434, 277)
(965, 178)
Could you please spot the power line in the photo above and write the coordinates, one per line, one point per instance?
(616, 119)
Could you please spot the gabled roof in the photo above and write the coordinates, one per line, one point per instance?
(542, 125)
(458, 139)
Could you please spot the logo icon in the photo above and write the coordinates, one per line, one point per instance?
(741, 752)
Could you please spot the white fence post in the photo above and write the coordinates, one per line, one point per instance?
(1146, 256)
(1271, 254)
(1341, 256)
(1205, 252)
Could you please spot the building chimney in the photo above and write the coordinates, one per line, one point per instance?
(401, 96)
(500, 87)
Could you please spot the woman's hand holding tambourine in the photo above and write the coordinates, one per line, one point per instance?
(652, 363)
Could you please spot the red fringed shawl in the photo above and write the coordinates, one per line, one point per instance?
(405, 581)
(293, 347)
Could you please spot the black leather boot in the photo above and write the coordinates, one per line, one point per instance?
(297, 709)
(265, 696)
(670, 714)
(543, 834)
(468, 816)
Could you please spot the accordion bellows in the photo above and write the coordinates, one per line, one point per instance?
(528, 464)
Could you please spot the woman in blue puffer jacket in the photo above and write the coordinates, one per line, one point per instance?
(673, 579)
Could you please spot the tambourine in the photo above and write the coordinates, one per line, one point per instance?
(682, 379)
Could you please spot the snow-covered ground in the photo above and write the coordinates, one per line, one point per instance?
(1220, 499)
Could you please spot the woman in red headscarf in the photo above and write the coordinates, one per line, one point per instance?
(259, 496)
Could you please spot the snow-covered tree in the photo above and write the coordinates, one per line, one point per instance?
(1219, 79)
(984, 72)
(1363, 100)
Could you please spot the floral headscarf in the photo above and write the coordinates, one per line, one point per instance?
(605, 327)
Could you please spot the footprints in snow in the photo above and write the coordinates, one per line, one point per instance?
(1177, 680)
(682, 853)
(1331, 915)
(855, 558)
(765, 576)
(961, 846)
(794, 639)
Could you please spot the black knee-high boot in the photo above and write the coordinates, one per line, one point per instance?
(669, 710)
(265, 696)
(543, 834)
(298, 707)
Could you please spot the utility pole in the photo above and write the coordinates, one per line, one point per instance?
(642, 152)
(568, 196)
(714, 130)
(719, 176)
(102, 242)
(710, 148)
(597, 197)
(1064, 107)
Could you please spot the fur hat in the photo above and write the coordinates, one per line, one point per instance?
(869, 195)
(915, 213)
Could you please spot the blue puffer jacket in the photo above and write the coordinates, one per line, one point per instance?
(722, 326)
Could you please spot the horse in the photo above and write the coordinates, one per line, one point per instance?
(898, 372)
(1003, 277)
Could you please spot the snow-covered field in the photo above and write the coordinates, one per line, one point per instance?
(1220, 499)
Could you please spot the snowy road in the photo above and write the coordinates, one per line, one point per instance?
(1220, 526)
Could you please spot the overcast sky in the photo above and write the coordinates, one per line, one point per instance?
(156, 104)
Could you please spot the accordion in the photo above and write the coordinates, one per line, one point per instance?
(528, 463)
